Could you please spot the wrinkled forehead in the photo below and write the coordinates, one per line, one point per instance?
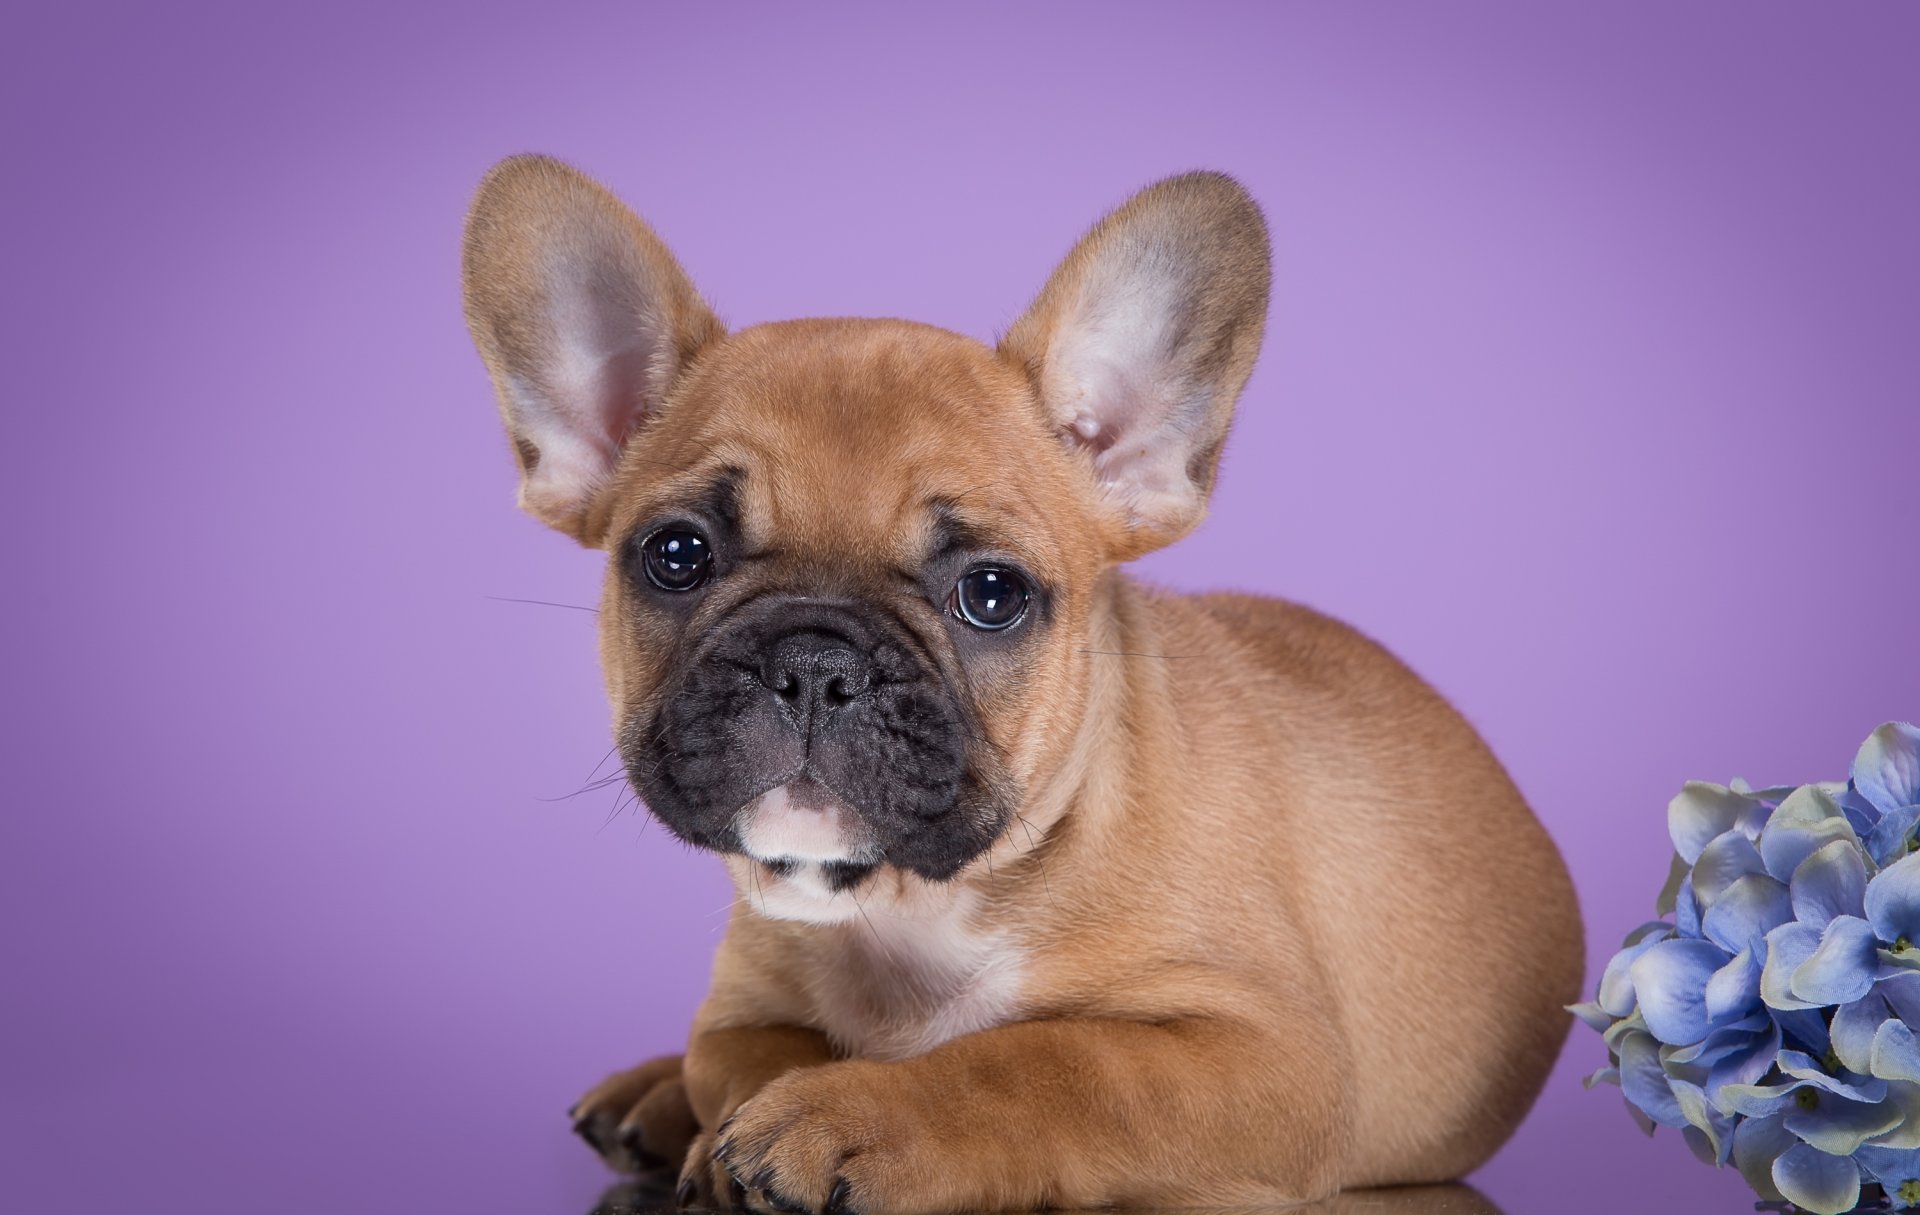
(866, 443)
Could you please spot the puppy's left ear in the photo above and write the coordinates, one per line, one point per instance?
(1139, 344)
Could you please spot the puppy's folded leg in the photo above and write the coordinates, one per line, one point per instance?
(1067, 1114)
(724, 1069)
(638, 1120)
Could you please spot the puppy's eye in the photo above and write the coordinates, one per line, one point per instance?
(990, 598)
(676, 559)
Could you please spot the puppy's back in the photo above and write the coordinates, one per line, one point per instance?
(1448, 920)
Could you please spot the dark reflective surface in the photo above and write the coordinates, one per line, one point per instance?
(654, 1197)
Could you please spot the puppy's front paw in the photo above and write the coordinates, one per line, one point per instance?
(638, 1120)
(829, 1140)
(704, 1184)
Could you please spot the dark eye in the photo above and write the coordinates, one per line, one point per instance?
(990, 598)
(676, 559)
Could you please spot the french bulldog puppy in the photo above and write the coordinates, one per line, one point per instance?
(1054, 889)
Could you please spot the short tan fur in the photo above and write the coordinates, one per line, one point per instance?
(1265, 919)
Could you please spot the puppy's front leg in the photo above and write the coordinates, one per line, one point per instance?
(724, 1068)
(1049, 1114)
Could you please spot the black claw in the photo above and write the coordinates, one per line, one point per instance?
(585, 1129)
(837, 1198)
(781, 1202)
(762, 1181)
(683, 1197)
(736, 1193)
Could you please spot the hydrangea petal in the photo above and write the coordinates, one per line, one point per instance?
(1887, 768)
(1592, 1016)
(1853, 1028)
(1894, 1055)
(1677, 871)
(1804, 1030)
(1830, 883)
(1788, 946)
(1701, 1144)
(1757, 1143)
(1616, 982)
(1639, 1117)
(1686, 911)
(1701, 1116)
(1652, 930)
(1839, 1126)
(1887, 841)
(1817, 1181)
(1808, 820)
(1902, 991)
(1893, 901)
(1645, 1084)
(1723, 862)
(1670, 980)
(1717, 1045)
(1699, 813)
(1906, 1136)
(1891, 1167)
(1619, 1030)
(1734, 989)
(1750, 908)
(1743, 1067)
(1758, 1100)
(1841, 970)
(1893, 964)
(1860, 812)
(1853, 1087)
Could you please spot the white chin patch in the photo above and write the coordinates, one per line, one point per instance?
(790, 834)
(805, 824)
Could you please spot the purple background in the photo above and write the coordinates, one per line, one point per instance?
(1592, 387)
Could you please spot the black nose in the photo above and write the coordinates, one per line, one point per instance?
(813, 673)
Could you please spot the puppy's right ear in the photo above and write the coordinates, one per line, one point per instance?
(1139, 344)
(584, 319)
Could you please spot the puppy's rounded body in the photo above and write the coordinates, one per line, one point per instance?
(1292, 823)
(1121, 897)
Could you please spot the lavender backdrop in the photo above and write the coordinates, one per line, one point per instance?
(1593, 387)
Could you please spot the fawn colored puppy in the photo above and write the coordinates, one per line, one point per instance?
(1055, 890)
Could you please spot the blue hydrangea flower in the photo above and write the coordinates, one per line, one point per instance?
(1770, 1019)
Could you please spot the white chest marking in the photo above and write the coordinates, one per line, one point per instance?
(903, 984)
(898, 967)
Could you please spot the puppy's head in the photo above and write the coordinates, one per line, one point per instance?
(852, 562)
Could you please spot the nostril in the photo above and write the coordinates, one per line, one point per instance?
(847, 686)
(780, 681)
(809, 671)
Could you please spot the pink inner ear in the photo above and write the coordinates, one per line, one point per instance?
(1116, 393)
(1101, 400)
(1091, 434)
(589, 387)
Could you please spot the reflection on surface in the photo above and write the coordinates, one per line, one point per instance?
(647, 1197)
